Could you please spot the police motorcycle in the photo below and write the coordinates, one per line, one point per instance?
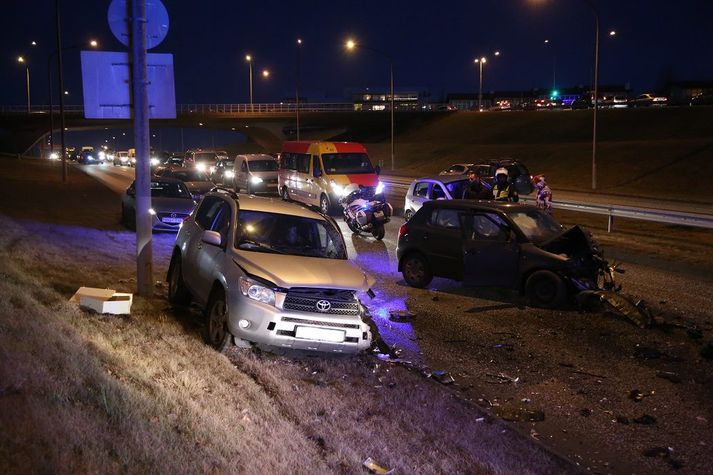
(366, 210)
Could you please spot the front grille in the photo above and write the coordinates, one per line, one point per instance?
(301, 321)
(341, 302)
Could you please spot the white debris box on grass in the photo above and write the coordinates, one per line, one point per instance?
(103, 300)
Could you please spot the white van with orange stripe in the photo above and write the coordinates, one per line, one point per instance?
(316, 173)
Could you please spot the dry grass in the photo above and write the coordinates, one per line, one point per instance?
(81, 392)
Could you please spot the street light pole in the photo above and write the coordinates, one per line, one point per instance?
(297, 88)
(480, 62)
(27, 74)
(596, 92)
(61, 96)
(249, 59)
(350, 45)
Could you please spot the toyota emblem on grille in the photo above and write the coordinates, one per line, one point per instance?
(323, 305)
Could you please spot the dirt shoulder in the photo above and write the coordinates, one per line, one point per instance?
(81, 392)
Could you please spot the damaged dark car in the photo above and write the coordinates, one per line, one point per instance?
(489, 244)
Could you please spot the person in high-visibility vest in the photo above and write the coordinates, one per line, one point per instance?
(503, 190)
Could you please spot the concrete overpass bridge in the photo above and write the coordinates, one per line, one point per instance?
(268, 125)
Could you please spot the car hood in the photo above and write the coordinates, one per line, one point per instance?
(172, 205)
(297, 271)
(574, 241)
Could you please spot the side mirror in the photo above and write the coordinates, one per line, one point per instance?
(212, 237)
(317, 173)
(377, 169)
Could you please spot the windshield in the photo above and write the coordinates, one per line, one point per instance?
(457, 188)
(283, 234)
(191, 175)
(205, 156)
(262, 165)
(346, 163)
(161, 189)
(536, 225)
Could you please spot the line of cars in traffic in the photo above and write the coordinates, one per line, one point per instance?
(273, 272)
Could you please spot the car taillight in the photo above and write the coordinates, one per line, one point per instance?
(403, 229)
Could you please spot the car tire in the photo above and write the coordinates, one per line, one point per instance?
(324, 204)
(285, 193)
(216, 332)
(178, 293)
(408, 214)
(416, 271)
(379, 233)
(545, 289)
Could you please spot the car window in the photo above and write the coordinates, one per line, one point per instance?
(445, 218)
(207, 210)
(346, 163)
(456, 169)
(243, 166)
(488, 226)
(437, 192)
(536, 225)
(421, 190)
(262, 165)
(316, 167)
(457, 188)
(221, 220)
(162, 189)
(303, 163)
(261, 231)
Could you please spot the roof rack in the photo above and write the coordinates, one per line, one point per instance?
(232, 193)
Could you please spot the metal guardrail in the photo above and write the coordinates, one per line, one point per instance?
(612, 211)
(268, 108)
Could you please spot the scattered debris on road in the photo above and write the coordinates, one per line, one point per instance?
(374, 467)
(401, 316)
(637, 396)
(664, 453)
(626, 306)
(501, 378)
(443, 377)
(645, 419)
(103, 300)
(669, 375)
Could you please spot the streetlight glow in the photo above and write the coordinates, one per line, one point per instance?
(350, 44)
(20, 59)
(265, 73)
(547, 41)
(497, 53)
(34, 43)
(248, 58)
(299, 41)
(612, 33)
(93, 43)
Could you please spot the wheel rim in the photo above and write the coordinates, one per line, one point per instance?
(414, 270)
(324, 205)
(545, 290)
(216, 322)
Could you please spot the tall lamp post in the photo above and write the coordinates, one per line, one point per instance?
(297, 85)
(352, 45)
(554, 65)
(22, 60)
(480, 62)
(249, 59)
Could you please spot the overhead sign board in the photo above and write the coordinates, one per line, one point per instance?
(105, 81)
(156, 22)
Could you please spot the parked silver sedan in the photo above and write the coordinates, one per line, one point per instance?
(171, 203)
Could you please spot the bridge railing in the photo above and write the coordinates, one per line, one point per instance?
(281, 107)
(268, 108)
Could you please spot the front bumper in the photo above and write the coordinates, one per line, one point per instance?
(274, 326)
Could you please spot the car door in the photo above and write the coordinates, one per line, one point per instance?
(491, 252)
(243, 174)
(210, 256)
(442, 236)
(420, 194)
(302, 174)
(191, 257)
(438, 192)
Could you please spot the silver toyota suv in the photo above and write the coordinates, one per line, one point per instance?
(269, 273)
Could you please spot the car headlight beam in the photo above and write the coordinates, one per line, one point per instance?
(380, 188)
(229, 174)
(255, 180)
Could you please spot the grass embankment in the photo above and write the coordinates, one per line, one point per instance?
(642, 152)
(81, 392)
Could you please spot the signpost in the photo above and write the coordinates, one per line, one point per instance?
(139, 86)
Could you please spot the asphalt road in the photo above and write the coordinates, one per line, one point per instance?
(577, 368)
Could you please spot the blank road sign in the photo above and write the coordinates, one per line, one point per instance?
(105, 81)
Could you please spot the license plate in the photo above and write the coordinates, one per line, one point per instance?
(319, 334)
(172, 220)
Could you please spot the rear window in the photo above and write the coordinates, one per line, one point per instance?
(162, 189)
(445, 218)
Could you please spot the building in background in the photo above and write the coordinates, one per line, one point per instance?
(378, 99)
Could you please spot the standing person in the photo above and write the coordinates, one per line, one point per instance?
(476, 188)
(503, 189)
(544, 194)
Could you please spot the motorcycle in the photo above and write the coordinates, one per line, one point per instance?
(366, 211)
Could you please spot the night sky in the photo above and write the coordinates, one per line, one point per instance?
(433, 45)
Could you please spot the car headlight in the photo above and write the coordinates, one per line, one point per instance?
(154, 162)
(123, 159)
(200, 167)
(379, 188)
(337, 188)
(102, 155)
(256, 291)
(255, 180)
(110, 157)
(54, 156)
(89, 157)
(229, 174)
(152, 212)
